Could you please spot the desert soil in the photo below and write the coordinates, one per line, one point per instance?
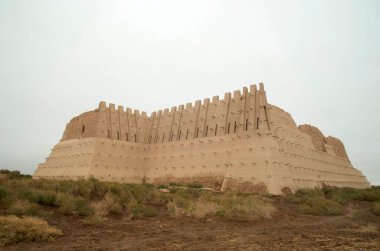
(356, 230)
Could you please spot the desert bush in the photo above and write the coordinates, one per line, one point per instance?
(82, 206)
(204, 208)
(5, 196)
(233, 206)
(175, 184)
(149, 211)
(45, 198)
(68, 204)
(42, 197)
(319, 205)
(180, 206)
(115, 208)
(319, 202)
(22, 207)
(14, 174)
(116, 189)
(375, 209)
(194, 185)
(14, 229)
(3, 193)
(65, 203)
(98, 189)
(99, 209)
(138, 210)
(342, 195)
(162, 186)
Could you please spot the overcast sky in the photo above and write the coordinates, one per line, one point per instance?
(319, 60)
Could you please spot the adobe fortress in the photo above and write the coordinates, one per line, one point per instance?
(240, 142)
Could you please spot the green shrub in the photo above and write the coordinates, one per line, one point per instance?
(175, 184)
(65, 203)
(42, 197)
(194, 185)
(45, 198)
(14, 174)
(342, 195)
(149, 211)
(82, 206)
(375, 209)
(3, 193)
(327, 201)
(162, 186)
(319, 205)
(14, 229)
(22, 207)
(233, 206)
(115, 208)
(98, 189)
(5, 196)
(148, 185)
(116, 189)
(137, 210)
(68, 204)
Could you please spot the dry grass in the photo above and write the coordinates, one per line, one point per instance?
(14, 229)
(375, 209)
(22, 207)
(235, 206)
(230, 206)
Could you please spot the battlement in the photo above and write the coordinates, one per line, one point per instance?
(241, 111)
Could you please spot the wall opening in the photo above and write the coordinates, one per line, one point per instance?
(126, 136)
(257, 121)
(196, 132)
(228, 128)
(118, 136)
(163, 137)
(187, 133)
(216, 129)
(171, 136)
(206, 131)
(246, 124)
(83, 129)
(135, 138)
(179, 137)
(235, 126)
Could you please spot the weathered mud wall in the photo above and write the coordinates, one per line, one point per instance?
(238, 143)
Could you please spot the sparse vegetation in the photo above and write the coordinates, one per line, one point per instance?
(331, 201)
(376, 208)
(194, 185)
(14, 229)
(95, 201)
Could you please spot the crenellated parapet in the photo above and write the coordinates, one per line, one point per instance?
(245, 110)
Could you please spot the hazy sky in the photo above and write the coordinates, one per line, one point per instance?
(319, 60)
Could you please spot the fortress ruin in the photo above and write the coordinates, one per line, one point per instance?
(240, 142)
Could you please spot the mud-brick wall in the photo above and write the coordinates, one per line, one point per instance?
(120, 124)
(70, 159)
(118, 161)
(82, 126)
(245, 111)
(242, 111)
(200, 160)
(250, 169)
(337, 146)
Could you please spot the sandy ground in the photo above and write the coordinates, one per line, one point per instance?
(356, 230)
